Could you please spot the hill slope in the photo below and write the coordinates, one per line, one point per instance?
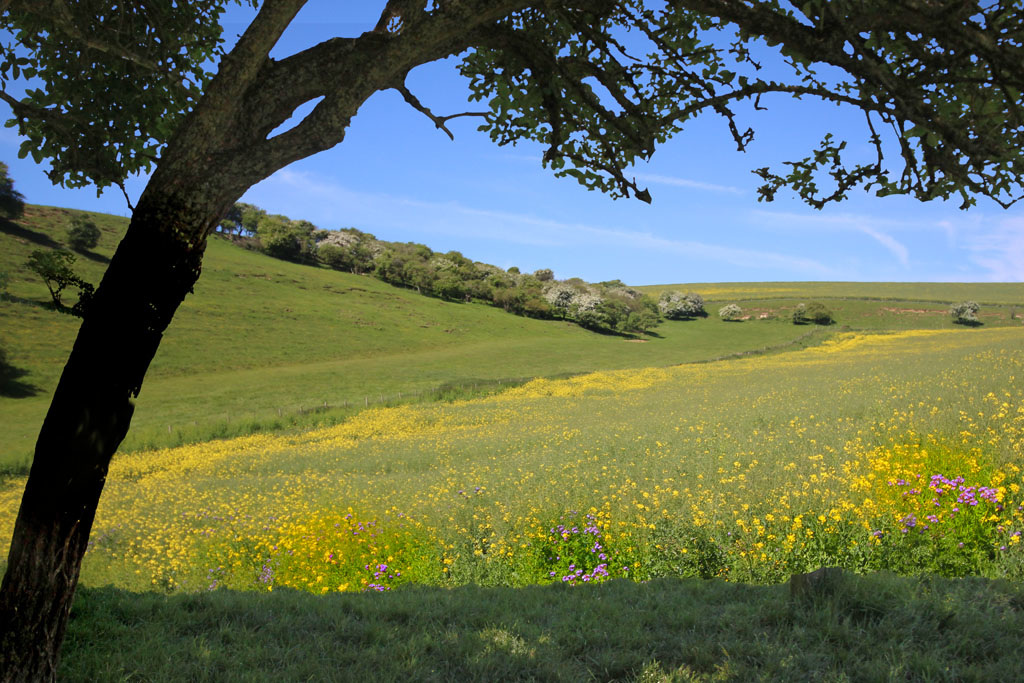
(263, 341)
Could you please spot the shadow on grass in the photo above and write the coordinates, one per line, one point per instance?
(44, 240)
(871, 628)
(94, 257)
(20, 231)
(11, 385)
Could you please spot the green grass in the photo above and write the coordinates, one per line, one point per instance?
(724, 469)
(547, 451)
(872, 628)
(262, 343)
(679, 463)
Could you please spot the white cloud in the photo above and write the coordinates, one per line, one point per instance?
(683, 182)
(327, 203)
(647, 177)
(841, 221)
(867, 225)
(896, 248)
(999, 251)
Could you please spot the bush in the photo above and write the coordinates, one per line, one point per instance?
(730, 312)
(813, 312)
(965, 313)
(286, 239)
(332, 256)
(83, 234)
(54, 267)
(679, 306)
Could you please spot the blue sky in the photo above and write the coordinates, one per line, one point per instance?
(398, 177)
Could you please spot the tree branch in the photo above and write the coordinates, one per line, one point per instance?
(439, 121)
(363, 65)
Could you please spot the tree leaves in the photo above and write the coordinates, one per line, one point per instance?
(117, 80)
(943, 79)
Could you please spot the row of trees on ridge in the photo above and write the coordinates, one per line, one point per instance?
(609, 306)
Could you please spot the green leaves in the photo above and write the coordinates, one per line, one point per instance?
(117, 80)
(54, 267)
(600, 88)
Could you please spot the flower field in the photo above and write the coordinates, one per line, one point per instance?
(889, 451)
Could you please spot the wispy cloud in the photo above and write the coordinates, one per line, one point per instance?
(841, 221)
(647, 177)
(866, 225)
(328, 203)
(895, 247)
(999, 250)
(684, 182)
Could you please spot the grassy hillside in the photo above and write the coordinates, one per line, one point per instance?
(266, 344)
(263, 342)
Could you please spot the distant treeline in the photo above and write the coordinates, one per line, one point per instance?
(604, 306)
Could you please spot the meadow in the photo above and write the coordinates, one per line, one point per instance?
(265, 345)
(892, 451)
(560, 529)
(609, 510)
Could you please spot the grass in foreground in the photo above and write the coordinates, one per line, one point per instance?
(870, 628)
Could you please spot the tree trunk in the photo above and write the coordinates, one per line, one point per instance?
(154, 267)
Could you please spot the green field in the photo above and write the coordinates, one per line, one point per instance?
(631, 514)
(263, 341)
(265, 344)
(744, 471)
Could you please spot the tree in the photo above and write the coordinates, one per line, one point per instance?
(83, 234)
(127, 86)
(54, 266)
(965, 313)
(12, 202)
(347, 249)
(730, 313)
(679, 306)
(249, 217)
(232, 221)
(813, 313)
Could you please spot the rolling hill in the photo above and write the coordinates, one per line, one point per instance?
(266, 344)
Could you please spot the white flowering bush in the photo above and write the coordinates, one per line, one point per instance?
(679, 306)
(965, 313)
(730, 312)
